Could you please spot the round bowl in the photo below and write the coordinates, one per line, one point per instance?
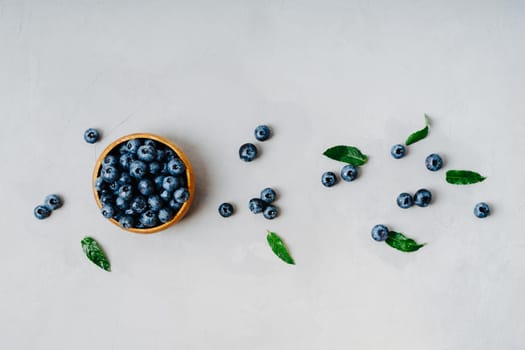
(189, 178)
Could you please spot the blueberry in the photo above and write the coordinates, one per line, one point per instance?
(107, 199)
(161, 155)
(268, 195)
(181, 195)
(256, 205)
(174, 205)
(125, 192)
(138, 204)
(155, 202)
(123, 148)
(151, 143)
(109, 174)
(482, 210)
(170, 183)
(146, 187)
(125, 160)
(155, 168)
(114, 186)
(122, 203)
(165, 215)
(100, 184)
(137, 169)
(125, 178)
(146, 153)
(148, 218)
(349, 173)
(53, 202)
(404, 200)
(41, 212)
(133, 145)
(398, 151)
(169, 154)
(270, 212)
(328, 179)
(129, 212)
(126, 221)
(226, 210)
(422, 198)
(248, 152)
(107, 211)
(176, 166)
(91, 135)
(262, 132)
(159, 180)
(166, 195)
(109, 160)
(434, 162)
(379, 233)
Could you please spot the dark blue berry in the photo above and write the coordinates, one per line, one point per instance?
(165, 214)
(256, 205)
(125, 160)
(125, 178)
(151, 143)
(174, 205)
(181, 195)
(422, 198)
(125, 192)
(166, 195)
(107, 199)
(53, 201)
(155, 202)
(41, 212)
(404, 200)
(169, 154)
(121, 203)
(126, 221)
(148, 218)
(155, 168)
(434, 162)
(270, 212)
(133, 145)
(146, 153)
(146, 187)
(91, 135)
(262, 132)
(114, 186)
(137, 169)
(110, 174)
(161, 155)
(159, 180)
(100, 184)
(398, 151)
(248, 152)
(138, 204)
(176, 166)
(109, 160)
(349, 173)
(268, 195)
(379, 233)
(107, 211)
(328, 179)
(226, 210)
(482, 210)
(170, 183)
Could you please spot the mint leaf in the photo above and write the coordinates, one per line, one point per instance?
(420, 134)
(279, 248)
(463, 177)
(95, 253)
(401, 242)
(346, 154)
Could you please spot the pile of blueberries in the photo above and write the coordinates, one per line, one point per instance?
(142, 184)
(51, 202)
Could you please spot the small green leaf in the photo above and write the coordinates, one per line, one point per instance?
(95, 253)
(463, 177)
(401, 242)
(420, 134)
(346, 154)
(279, 248)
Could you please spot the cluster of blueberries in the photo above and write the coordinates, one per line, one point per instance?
(248, 151)
(142, 184)
(348, 173)
(51, 202)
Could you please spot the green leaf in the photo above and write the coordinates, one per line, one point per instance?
(463, 177)
(279, 248)
(401, 242)
(346, 154)
(95, 253)
(420, 134)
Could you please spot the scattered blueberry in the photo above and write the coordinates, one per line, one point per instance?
(398, 151)
(268, 195)
(328, 179)
(379, 233)
(107, 211)
(270, 212)
(248, 152)
(404, 200)
(226, 210)
(256, 205)
(148, 218)
(176, 166)
(165, 215)
(482, 210)
(41, 212)
(422, 198)
(181, 195)
(91, 135)
(262, 132)
(53, 202)
(434, 162)
(146, 153)
(126, 221)
(349, 173)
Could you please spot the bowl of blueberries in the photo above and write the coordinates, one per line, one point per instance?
(143, 183)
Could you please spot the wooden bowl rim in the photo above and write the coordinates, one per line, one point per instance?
(189, 177)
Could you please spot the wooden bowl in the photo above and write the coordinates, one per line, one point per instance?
(189, 178)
